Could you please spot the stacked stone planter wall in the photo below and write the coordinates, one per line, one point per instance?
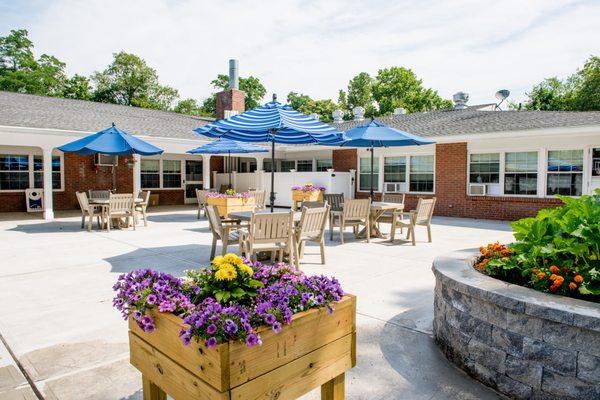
(521, 342)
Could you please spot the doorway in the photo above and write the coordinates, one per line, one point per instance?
(193, 179)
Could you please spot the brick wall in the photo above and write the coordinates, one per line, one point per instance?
(231, 99)
(169, 197)
(344, 159)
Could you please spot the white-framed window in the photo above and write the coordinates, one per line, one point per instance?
(287, 165)
(267, 165)
(324, 165)
(564, 172)
(394, 169)
(171, 174)
(161, 174)
(365, 173)
(23, 171)
(484, 168)
(521, 173)
(422, 171)
(304, 165)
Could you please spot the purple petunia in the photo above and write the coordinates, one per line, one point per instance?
(212, 328)
(211, 342)
(251, 340)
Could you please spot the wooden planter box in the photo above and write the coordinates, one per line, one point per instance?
(231, 204)
(298, 196)
(315, 350)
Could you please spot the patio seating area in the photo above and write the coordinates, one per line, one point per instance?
(84, 350)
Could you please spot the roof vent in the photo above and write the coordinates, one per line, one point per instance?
(460, 100)
(234, 81)
(399, 111)
(338, 116)
(359, 113)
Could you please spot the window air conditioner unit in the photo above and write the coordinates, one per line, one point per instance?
(393, 187)
(477, 189)
(105, 160)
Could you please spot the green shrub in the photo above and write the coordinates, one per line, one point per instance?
(558, 251)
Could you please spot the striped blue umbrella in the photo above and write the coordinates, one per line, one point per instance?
(229, 147)
(276, 123)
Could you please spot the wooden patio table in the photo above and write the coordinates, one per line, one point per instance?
(104, 202)
(378, 208)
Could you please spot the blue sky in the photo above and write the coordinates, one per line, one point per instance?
(315, 47)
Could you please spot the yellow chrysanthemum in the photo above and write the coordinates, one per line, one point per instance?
(246, 269)
(226, 273)
(233, 259)
(218, 260)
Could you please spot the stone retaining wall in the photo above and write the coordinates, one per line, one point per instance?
(521, 342)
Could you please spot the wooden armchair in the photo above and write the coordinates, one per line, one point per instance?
(90, 210)
(272, 232)
(259, 198)
(201, 197)
(354, 213)
(227, 231)
(99, 194)
(140, 208)
(312, 228)
(120, 206)
(419, 216)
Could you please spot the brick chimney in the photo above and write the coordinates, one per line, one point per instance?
(231, 101)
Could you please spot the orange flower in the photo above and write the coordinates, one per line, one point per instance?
(535, 270)
(578, 278)
(541, 275)
(572, 286)
(566, 269)
(553, 277)
(482, 250)
(554, 269)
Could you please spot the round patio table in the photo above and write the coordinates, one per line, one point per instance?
(247, 215)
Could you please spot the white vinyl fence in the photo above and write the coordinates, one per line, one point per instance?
(334, 182)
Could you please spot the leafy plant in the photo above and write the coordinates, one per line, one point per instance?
(558, 251)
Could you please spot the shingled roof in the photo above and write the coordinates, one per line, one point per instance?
(466, 122)
(25, 110)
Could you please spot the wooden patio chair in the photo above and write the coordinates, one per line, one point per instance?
(419, 216)
(99, 194)
(314, 204)
(201, 198)
(388, 215)
(259, 198)
(272, 232)
(227, 231)
(120, 206)
(224, 188)
(312, 228)
(90, 210)
(140, 208)
(335, 201)
(355, 213)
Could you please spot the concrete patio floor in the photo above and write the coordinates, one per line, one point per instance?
(58, 321)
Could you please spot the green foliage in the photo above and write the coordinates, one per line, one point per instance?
(77, 87)
(251, 86)
(190, 107)
(360, 93)
(304, 104)
(228, 279)
(557, 251)
(579, 92)
(128, 80)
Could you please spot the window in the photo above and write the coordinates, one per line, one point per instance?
(252, 166)
(267, 165)
(304, 165)
(421, 173)
(324, 165)
(150, 174)
(287, 165)
(171, 173)
(596, 162)
(38, 172)
(394, 169)
(484, 168)
(365, 173)
(14, 172)
(520, 173)
(565, 172)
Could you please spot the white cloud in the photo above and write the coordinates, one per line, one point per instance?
(316, 47)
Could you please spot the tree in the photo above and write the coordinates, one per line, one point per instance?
(360, 93)
(190, 107)
(78, 87)
(399, 87)
(128, 80)
(304, 104)
(587, 86)
(16, 51)
(549, 95)
(251, 86)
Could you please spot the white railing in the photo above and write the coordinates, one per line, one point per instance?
(334, 182)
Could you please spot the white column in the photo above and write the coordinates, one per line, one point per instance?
(137, 174)
(234, 180)
(206, 171)
(352, 182)
(48, 211)
(331, 178)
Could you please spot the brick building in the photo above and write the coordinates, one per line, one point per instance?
(485, 164)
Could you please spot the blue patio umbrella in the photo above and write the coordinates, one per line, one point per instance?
(276, 123)
(375, 134)
(229, 147)
(111, 141)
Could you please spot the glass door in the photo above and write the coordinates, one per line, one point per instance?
(193, 179)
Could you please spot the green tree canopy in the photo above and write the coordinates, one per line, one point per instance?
(304, 104)
(360, 93)
(579, 92)
(128, 80)
(78, 87)
(190, 107)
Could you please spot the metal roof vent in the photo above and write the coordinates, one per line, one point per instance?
(399, 111)
(234, 80)
(359, 113)
(460, 100)
(338, 116)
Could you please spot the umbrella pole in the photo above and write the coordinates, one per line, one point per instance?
(371, 191)
(272, 196)
(229, 166)
(114, 174)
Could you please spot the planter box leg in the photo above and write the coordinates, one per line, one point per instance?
(151, 391)
(333, 389)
